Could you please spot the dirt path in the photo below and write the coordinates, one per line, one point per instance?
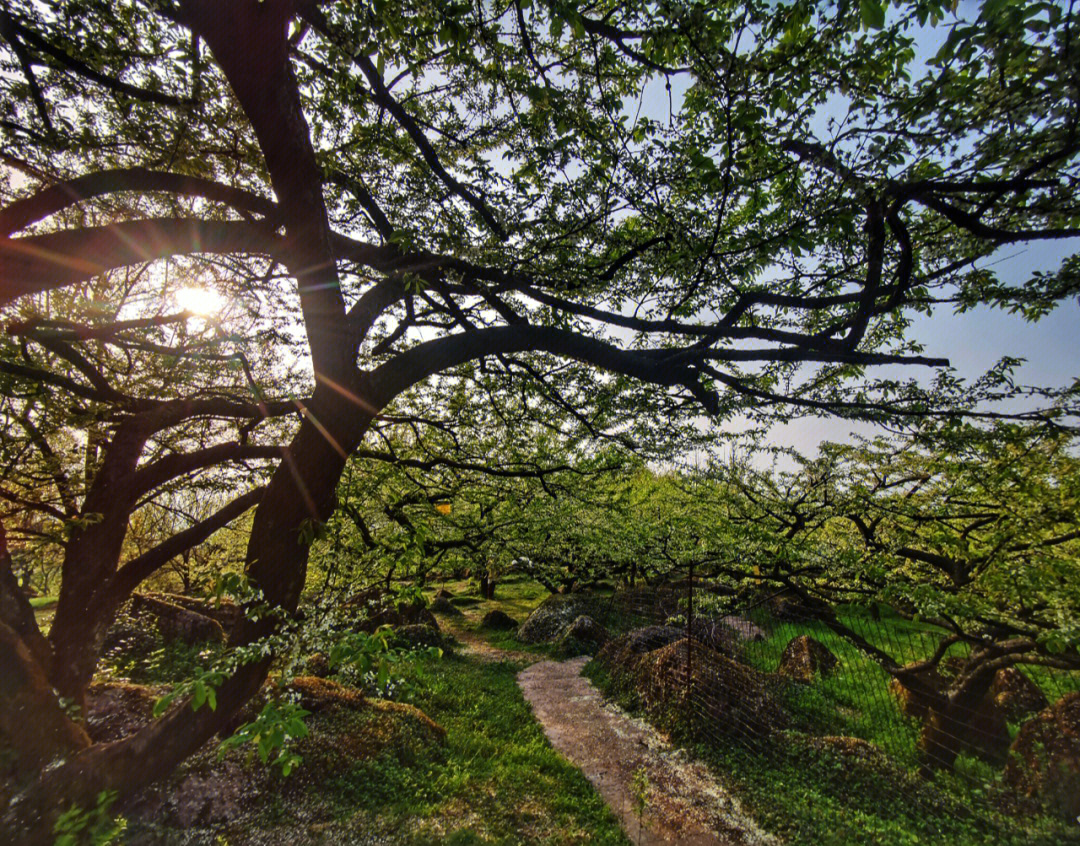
(480, 648)
(684, 804)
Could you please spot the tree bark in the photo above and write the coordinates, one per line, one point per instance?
(949, 727)
(31, 719)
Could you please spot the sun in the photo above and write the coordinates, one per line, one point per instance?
(201, 301)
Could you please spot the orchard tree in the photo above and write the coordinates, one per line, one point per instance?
(445, 499)
(978, 529)
(388, 192)
(971, 528)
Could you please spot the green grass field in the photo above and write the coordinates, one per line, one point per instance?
(496, 780)
(807, 796)
(493, 780)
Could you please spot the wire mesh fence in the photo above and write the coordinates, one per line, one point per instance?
(897, 708)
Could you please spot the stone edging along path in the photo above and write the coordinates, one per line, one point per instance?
(684, 803)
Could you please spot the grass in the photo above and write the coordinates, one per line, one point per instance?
(43, 602)
(495, 780)
(855, 700)
(516, 595)
(806, 795)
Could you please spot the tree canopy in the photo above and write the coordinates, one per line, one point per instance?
(386, 196)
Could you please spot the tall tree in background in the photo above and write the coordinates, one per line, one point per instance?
(398, 190)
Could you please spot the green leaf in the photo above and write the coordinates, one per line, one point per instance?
(873, 14)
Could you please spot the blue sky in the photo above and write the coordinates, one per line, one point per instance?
(973, 341)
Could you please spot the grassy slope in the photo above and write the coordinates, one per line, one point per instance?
(806, 798)
(496, 780)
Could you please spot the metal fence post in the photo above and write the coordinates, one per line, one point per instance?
(689, 639)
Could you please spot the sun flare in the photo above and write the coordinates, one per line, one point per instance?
(201, 301)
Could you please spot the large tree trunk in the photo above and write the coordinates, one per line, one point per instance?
(32, 723)
(950, 727)
(16, 612)
(302, 487)
(248, 40)
(91, 557)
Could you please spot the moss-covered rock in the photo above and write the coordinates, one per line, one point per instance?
(622, 654)
(583, 636)
(548, 620)
(1043, 770)
(421, 637)
(442, 605)
(211, 792)
(498, 620)
(176, 622)
(804, 659)
(227, 613)
(684, 684)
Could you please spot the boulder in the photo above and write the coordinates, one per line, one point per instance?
(1043, 770)
(805, 658)
(442, 605)
(718, 695)
(744, 629)
(1016, 695)
(717, 634)
(419, 637)
(622, 654)
(210, 790)
(498, 620)
(554, 614)
(178, 623)
(583, 636)
(405, 614)
(225, 611)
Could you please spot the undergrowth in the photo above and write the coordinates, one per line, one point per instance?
(494, 780)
